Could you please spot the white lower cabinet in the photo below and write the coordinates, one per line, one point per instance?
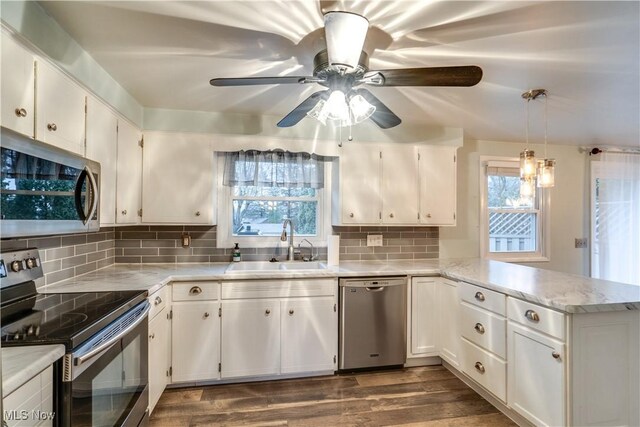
(536, 376)
(33, 397)
(448, 320)
(422, 317)
(250, 338)
(159, 355)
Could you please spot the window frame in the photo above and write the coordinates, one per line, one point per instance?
(542, 252)
(225, 237)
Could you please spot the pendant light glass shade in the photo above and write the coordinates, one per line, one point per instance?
(527, 191)
(527, 164)
(345, 33)
(360, 109)
(339, 112)
(546, 172)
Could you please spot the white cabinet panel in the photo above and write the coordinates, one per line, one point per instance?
(485, 368)
(181, 167)
(250, 338)
(17, 75)
(102, 142)
(195, 341)
(129, 174)
(399, 185)
(33, 397)
(61, 109)
(536, 376)
(437, 168)
(448, 320)
(360, 184)
(484, 329)
(309, 335)
(423, 318)
(159, 355)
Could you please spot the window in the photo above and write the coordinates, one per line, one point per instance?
(513, 228)
(259, 190)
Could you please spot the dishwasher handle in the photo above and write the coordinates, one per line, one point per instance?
(374, 288)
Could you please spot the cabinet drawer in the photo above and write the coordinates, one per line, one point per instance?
(195, 291)
(486, 369)
(543, 319)
(279, 288)
(158, 301)
(484, 329)
(489, 300)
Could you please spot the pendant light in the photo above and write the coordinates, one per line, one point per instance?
(546, 167)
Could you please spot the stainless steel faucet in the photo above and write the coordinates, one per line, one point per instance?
(283, 237)
(311, 255)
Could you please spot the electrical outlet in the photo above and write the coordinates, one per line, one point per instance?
(582, 243)
(374, 239)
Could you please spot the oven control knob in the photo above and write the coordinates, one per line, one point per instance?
(31, 263)
(16, 266)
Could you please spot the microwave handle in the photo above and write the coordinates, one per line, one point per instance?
(78, 196)
(93, 203)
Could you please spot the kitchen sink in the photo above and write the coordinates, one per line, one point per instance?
(242, 267)
(313, 265)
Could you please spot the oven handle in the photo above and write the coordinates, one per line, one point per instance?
(79, 360)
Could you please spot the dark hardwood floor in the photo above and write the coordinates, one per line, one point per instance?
(426, 396)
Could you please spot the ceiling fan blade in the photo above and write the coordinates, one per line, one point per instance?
(251, 81)
(301, 110)
(469, 75)
(383, 116)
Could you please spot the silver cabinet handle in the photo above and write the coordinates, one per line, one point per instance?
(291, 312)
(206, 314)
(196, 290)
(267, 312)
(52, 127)
(479, 328)
(124, 212)
(532, 315)
(428, 215)
(197, 213)
(391, 215)
(351, 215)
(21, 112)
(152, 336)
(157, 301)
(480, 296)
(555, 355)
(479, 367)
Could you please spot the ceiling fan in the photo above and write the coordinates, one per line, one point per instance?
(343, 69)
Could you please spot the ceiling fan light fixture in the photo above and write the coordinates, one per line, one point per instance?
(345, 33)
(316, 112)
(360, 109)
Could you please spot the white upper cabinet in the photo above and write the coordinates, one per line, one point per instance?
(17, 87)
(437, 167)
(359, 190)
(102, 140)
(129, 174)
(180, 167)
(61, 109)
(399, 185)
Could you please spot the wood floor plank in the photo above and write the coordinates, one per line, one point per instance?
(387, 378)
(488, 420)
(173, 396)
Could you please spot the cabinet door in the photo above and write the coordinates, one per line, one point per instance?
(159, 355)
(448, 320)
(309, 335)
(129, 174)
(437, 167)
(181, 167)
(250, 338)
(536, 380)
(400, 185)
(102, 140)
(61, 109)
(195, 341)
(360, 184)
(423, 317)
(16, 72)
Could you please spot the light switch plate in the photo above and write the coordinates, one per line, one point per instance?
(374, 239)
(582, 243)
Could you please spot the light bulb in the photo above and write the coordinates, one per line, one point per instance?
(527, 164)
(546, 172)
(527, 191)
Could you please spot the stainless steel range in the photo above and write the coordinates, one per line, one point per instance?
(102, 380)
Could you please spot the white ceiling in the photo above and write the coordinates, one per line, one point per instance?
(586, 54)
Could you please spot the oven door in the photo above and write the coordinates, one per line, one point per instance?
(108, 375)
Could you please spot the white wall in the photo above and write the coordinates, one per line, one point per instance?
(569, 204)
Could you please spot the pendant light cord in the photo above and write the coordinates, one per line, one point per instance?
(526, 132)
(546, 121)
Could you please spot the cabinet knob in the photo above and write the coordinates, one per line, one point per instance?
(157, 301)
(197, 213)
(152, 336)
(479, 367)
(479, 328)
(52, 127)
(124, 212)
(21, 112)
(480, 296)
(428, 215)
(555, 355)
(206, 314)
(291, 312)
(391, 215)
(351, 215)
(196, 290)
(532, 315)
(267, 312)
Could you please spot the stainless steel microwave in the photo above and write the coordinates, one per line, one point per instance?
(46, 190)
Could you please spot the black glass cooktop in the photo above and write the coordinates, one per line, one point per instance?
(68, 318)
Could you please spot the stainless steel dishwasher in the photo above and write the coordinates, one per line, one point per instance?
(373, 313)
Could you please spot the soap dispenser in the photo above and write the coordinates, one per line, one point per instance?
(236, 253)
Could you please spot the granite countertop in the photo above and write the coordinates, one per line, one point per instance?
(20, 364)
(564, 292)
